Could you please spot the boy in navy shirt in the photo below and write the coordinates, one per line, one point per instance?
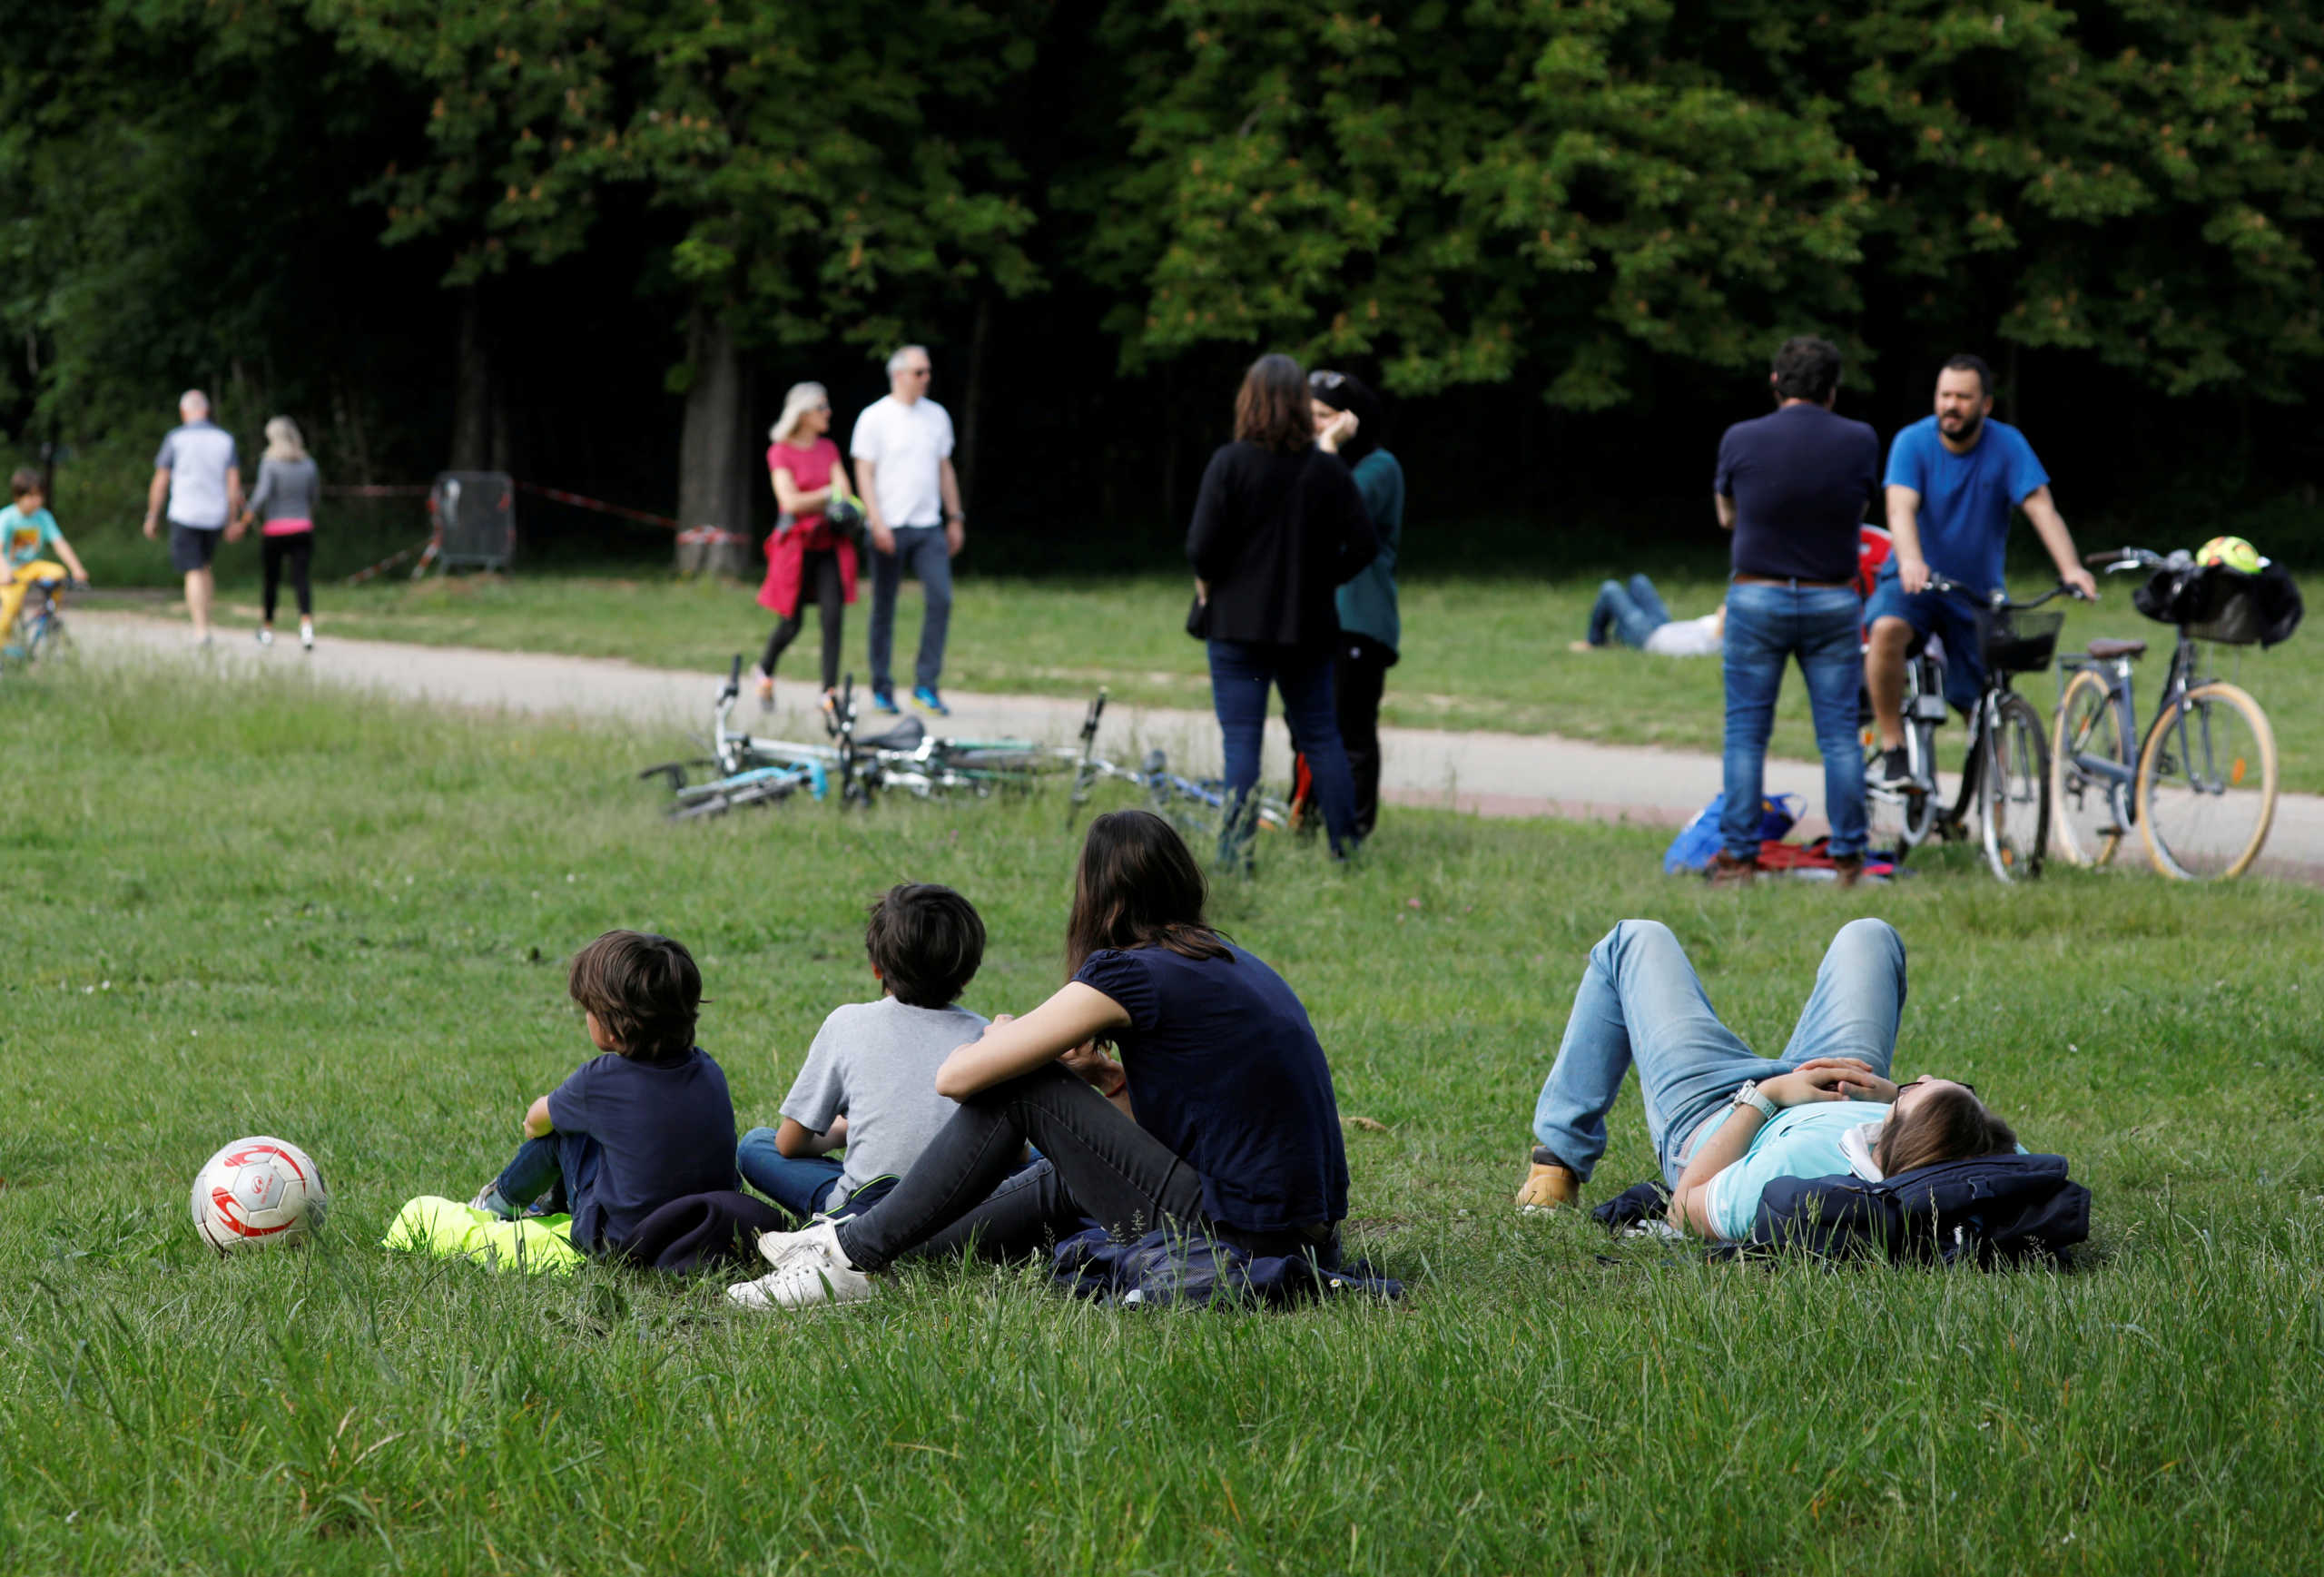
(647, 1122)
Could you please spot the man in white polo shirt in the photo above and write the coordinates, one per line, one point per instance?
(911, 508)
(198, 475)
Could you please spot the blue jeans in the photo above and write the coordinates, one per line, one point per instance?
(1633, 612)
(1641, 1004)
(561, 1165)
(1766, 624)
(921, 550)
(800, 1183)
(1240, 673)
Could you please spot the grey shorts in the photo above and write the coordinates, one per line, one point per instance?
(192, 547)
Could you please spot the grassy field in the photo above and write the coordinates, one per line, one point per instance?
(1479, 653)
(242, 911)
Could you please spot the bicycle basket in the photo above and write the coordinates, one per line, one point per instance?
(2017, 643)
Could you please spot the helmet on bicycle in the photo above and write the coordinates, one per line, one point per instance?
(2231, 552)
(844, 515)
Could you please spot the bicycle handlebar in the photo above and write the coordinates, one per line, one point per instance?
(2125, 558)
(1999, 601)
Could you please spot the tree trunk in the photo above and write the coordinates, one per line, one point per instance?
(972, 402)
(472, 389)
(713, 450)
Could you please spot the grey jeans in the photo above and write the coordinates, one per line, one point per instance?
(921, 549)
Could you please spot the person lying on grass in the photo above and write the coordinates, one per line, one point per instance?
(1726, 1121)
(1219, 1119)
(646, 1122)
(869, 1082)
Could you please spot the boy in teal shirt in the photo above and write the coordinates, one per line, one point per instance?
(27, 530)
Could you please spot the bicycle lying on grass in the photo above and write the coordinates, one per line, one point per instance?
(744, 769)
(2201, 788)
(2004, 801)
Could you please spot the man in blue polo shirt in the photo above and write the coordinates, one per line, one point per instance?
(1952, 479)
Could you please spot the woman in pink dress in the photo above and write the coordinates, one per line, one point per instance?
(807, 552)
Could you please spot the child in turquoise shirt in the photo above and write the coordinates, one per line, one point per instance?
(27, 530)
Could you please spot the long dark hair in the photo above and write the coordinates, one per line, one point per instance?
(1137, 885)
(1271, 408)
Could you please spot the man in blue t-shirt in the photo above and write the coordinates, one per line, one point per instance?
(1952, 479)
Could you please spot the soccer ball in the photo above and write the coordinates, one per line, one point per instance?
(2231, 551)
(257, 1193)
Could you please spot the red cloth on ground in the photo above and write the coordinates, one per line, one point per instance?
(809, 468)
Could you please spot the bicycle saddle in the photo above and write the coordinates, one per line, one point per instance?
(2105, 649)
(905, 735)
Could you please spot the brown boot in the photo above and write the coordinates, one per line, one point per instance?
(1850, 868)
(1550, 1184)
(1726, 871)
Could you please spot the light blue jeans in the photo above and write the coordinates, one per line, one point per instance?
(1641, 1004)
(1632, 612)
(1767, 625)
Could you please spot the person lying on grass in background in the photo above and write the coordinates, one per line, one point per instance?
(870, 1079)
(646, 1122)
(1726, 1121)
(27, 532)
(1219, 1120)
(1636, 615)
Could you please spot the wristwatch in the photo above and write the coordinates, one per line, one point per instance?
(1750, 1096)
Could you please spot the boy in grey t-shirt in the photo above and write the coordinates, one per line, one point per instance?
(869, 1080)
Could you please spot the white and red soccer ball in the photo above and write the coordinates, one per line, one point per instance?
(258, 1193)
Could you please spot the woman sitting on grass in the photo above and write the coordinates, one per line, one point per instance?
(1219, 1120)
(1726, 1121)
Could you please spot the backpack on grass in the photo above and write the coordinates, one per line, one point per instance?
(2004, 1209)
(1697, 841)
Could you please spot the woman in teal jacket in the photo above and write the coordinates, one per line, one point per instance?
(1349, 422)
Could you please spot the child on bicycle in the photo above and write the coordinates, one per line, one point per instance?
(870, 1079)
(646, 1122)
(27, 531)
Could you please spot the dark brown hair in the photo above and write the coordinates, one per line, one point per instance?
(1806, 368)
(644, 989)
(926, 941)
(1949, 1123)
(24, 479)
(1137, 885)
(1962, 362)
(1271, 408)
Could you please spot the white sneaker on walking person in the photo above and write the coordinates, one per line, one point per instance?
(809, 1271)
(307, 634)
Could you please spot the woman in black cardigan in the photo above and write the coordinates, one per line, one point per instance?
(1278, 527)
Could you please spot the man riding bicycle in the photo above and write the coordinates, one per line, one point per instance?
(1952, 479)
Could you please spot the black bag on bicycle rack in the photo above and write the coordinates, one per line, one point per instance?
(2215, 603)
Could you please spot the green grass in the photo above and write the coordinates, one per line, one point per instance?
(257, 909)
(1479, 653)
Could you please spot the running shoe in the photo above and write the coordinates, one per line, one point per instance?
(307, 634)
(885, 701)
(812, 1273)
(490, 1200)
(1896, 770)
(265, 636)
(766, 682)
(925, 698)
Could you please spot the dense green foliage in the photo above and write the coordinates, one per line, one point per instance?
(237, 910)
(397, 215)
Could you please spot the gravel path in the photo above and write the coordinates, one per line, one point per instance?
(1491, 774)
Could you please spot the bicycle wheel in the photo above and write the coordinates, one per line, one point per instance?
(1898, 821)
(2206, 789)
(2013, 789)
(2081, 802)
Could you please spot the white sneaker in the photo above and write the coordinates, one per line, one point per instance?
(812, 1273)
(306, 634)
(265, 636)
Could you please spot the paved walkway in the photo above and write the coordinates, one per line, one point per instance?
(1491, 774)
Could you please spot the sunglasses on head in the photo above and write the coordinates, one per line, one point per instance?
(1325, 379)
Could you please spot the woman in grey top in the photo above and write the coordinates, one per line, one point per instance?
(283, 503)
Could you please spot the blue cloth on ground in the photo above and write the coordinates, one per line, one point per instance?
(1698, 839)
(2002, 1209)
(1163, 1268)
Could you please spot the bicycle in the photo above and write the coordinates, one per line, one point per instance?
(40, 621)
(2005, 770)
(2202, 809)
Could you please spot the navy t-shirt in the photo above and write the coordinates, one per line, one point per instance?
(1802, 479)
(664, 1131)
(1226, 1070)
